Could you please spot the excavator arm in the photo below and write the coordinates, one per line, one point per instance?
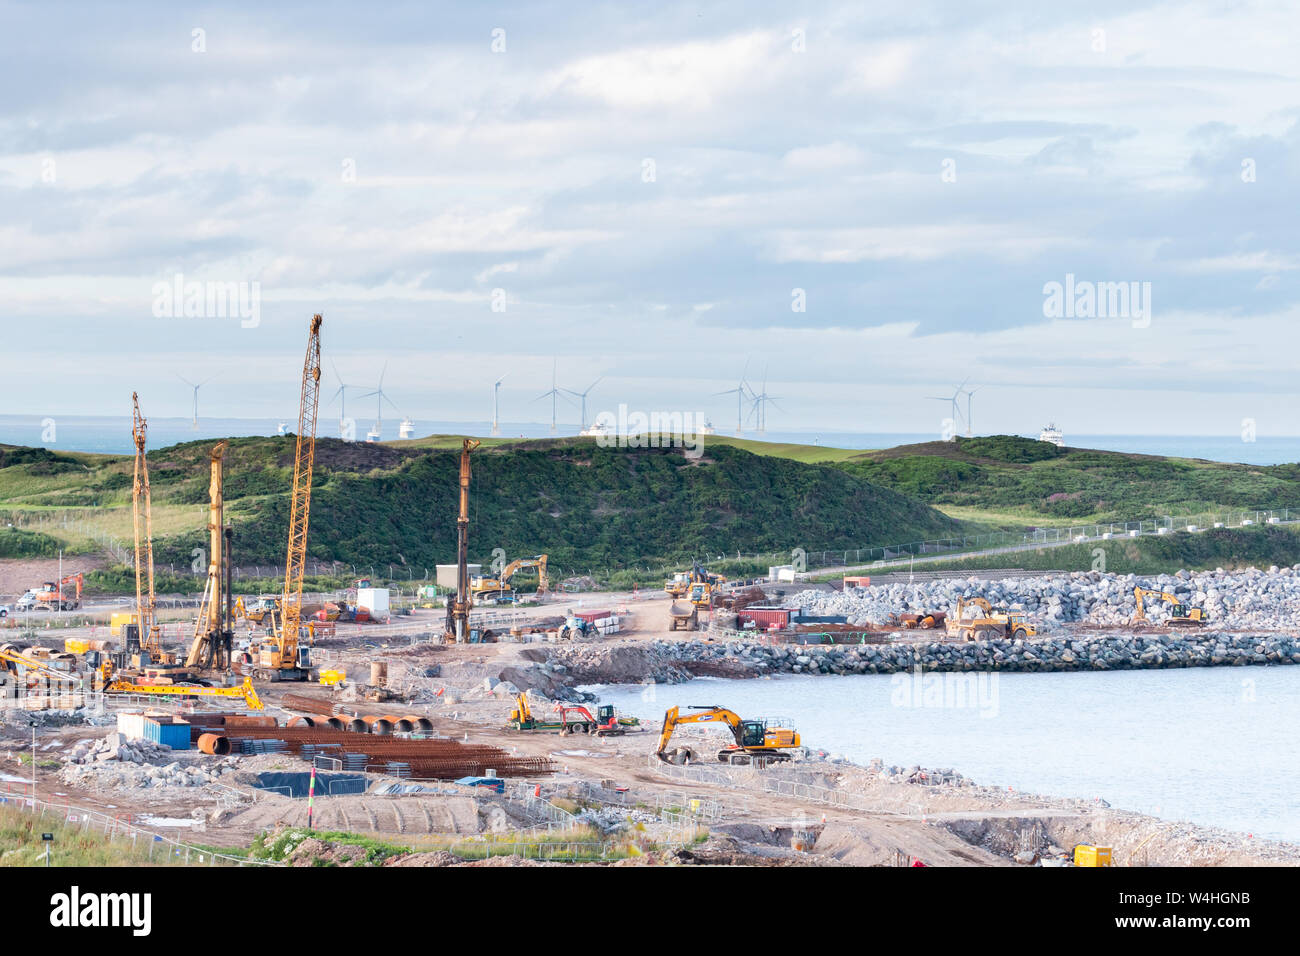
(704, 715)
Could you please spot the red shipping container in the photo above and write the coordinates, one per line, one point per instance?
(591, 617)
(764, 617)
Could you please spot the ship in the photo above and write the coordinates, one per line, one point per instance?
(1053, 434)
(406, 429)
(597, 429)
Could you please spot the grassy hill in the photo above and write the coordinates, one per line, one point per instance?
(1009, 481)
(584, 505)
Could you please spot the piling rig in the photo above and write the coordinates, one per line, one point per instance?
(457, 630)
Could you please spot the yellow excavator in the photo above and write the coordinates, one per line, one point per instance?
(499, 588)
(11, 660)
(755, 741)
(1180, 615)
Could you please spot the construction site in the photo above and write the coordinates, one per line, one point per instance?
(464, 730)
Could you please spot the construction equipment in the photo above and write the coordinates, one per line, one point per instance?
(990, 625)
(257, 612)
(245, 691)
(677, 585)
(1180, 615)
(214, 635)
(457, 630)
(521, 718)
(499, 588)
(53, 596)
(11, 658)
(283, 657)
(574, 719)
(683, 616)
(142, 522)
(755, 742)
(573, 628)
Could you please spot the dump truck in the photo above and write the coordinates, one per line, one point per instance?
(683, 616)
(989, 623)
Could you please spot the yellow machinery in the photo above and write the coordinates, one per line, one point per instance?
(989, 625)
(678, 584)
(246, 691)
(458, 609)
(142, 520)
(1085, 855)
(12, 660)
(755, 741)
(489, 589)
(214, 628)
(284, 658)
(1180, 615)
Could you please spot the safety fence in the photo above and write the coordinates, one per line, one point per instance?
(150, 846)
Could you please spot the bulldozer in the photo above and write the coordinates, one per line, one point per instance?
(755, 742)
(1180, 615)
(989, 624)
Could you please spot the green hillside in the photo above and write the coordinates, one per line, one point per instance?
(1007, 480)
(584, 505)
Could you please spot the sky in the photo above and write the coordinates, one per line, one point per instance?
(856, 207)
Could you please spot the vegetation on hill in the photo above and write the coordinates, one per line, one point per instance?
(1031, 480)
(584, 505)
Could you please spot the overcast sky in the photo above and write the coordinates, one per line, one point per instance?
(650, 186)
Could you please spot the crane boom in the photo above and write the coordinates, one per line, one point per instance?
(142, 515)
(288, 661)
(210, 647)
(458, 610)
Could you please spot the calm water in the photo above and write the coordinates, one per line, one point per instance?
(1215, 746)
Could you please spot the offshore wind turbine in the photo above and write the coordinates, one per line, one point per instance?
(342, 394)
(496, 391)
(742, 392)
(969, 392)
(553, 394)
(952, 401)
(583, 396)
(377, 433)
(195, 423)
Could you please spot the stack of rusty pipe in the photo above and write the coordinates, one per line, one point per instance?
(428, 759)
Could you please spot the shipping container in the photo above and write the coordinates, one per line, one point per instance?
(375, 600)
(764, 617)
(591, 617)
(169, 731)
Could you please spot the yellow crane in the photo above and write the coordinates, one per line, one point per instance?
(142, 520)
(210, 648)
(1180, 615)
(284, 658)
(458, 610)
(753, 738)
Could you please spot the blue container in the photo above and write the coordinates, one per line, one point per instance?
(170, 732)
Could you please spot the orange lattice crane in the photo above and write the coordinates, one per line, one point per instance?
(285, 658)
(142, 514)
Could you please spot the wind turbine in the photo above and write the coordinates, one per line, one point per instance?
(760, 402)
(496, 389)
(583, 396)
(377, 432)
(952, 401)
(969, 392)
(553, 394)
(741, 391)
(341, 393)
(195, 424)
